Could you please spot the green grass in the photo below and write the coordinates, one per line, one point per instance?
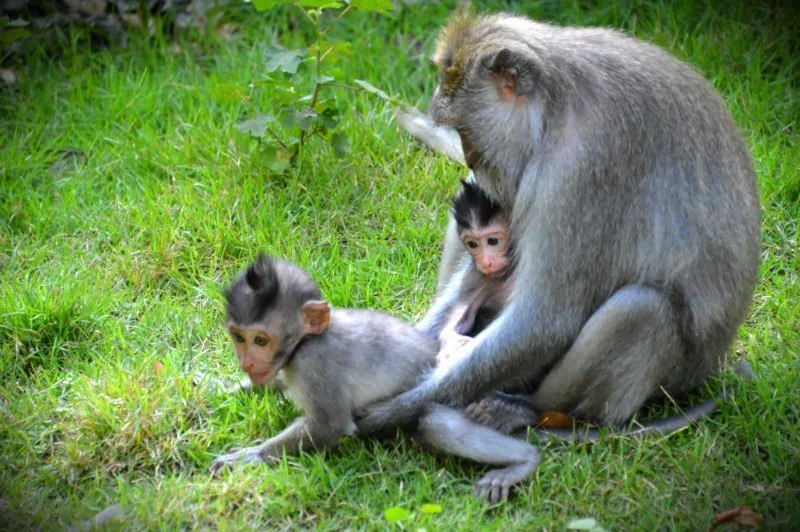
(114, 260)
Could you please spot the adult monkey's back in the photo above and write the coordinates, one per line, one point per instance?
(634, 212)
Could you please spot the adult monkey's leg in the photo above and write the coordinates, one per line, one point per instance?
(621, 358)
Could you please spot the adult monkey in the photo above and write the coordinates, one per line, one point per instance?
(634, 211)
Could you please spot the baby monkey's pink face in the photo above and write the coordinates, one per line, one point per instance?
(255, 349)
(489, 246)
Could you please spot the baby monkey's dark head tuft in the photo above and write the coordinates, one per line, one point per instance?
(473, 208)
(268, 284)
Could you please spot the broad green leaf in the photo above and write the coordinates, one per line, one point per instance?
(395, 514)
(255, 127)
(332, 52)
(263, 5)
(325, 79)
(330, 117)
(336, 73)
(379, 6)
(269, 152)
(286, 60)
(344, 48)
(431, 508)
(279, 166)
(302, 118)
(369, 87)
(13, 34)
(340, 144)
(276, 158)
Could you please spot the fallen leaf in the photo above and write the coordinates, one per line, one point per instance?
(554, 420)
(741, 515)
(226, 31)
(431, 508)
(395, 514)
(586, 523)
(8, 76)
(158, 367)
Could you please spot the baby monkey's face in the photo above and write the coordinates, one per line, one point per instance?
(264, 347)
(489, 246)
(255, 348)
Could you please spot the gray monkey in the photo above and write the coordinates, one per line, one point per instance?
(634, 210)
(333, 361)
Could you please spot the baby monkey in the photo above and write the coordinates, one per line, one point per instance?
(484, 230)
(335, 361)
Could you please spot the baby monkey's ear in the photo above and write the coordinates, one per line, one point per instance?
(316, 316)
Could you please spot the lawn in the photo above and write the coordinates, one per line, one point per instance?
(128, 199)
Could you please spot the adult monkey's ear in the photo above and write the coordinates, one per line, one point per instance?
(316, 315)
(513, 73)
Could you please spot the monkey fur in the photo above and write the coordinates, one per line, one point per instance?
(334, 361)
(634, 209)
(483, 230)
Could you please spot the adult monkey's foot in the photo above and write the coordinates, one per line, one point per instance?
(495, 486)
(507, 414)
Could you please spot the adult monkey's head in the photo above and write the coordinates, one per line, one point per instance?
(492, 89)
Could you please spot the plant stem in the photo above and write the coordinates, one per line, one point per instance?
(313, 103)
(275, 135)
(343, 86)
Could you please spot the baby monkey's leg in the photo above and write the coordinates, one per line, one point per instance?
(450, 431)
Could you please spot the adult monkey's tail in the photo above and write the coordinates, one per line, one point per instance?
(437, 138)
(514, 413)
(664, 426)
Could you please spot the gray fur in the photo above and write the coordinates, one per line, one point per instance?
(361, 358)
(513, 414)
(634, 211)
(440, 139)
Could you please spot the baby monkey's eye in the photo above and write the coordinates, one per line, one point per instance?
(493, 241)
(261, 340)
(238, 338)
(472, 244)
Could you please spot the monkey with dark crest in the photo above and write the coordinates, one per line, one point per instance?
(633, 204)
(483, 230)
(333, 361)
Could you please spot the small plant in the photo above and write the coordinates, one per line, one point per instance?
(400, 516)
(298, 117)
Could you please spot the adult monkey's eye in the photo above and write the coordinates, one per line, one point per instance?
(493, 241)
(261, 340)
(238, 338)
